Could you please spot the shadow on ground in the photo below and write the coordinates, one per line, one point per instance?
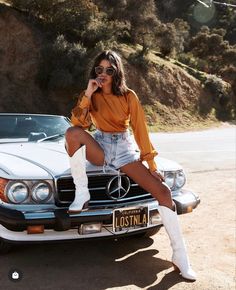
(87, 265)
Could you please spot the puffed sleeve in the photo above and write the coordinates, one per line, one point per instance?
(80, 115)
(139, 127)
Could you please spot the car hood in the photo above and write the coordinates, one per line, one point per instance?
(46, 160)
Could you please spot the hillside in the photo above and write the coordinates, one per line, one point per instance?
(171, 96)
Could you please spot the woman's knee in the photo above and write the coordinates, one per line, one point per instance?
(73, 134)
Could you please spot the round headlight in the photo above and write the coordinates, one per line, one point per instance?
(41, 192)
(170, 179)
(17, 192)
(180, 179)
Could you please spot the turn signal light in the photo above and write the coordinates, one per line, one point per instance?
(3, 183)
(39, 229)
(189, 209)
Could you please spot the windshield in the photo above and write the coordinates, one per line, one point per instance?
(31, 127)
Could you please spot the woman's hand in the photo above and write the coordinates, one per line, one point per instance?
(93, 84)
(158, 175)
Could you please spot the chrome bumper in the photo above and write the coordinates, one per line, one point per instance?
(59, 225)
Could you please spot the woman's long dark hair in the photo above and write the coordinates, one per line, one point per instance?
(119, 87)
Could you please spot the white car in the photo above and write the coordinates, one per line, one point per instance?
(36, 189)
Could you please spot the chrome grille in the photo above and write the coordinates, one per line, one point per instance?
(97, 188)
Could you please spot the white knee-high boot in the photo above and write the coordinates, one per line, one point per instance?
(179, 257)
(78, 172)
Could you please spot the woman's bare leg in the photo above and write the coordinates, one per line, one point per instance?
(142, 176)
(77, 137)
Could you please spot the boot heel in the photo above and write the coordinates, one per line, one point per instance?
(85, 206)
(77, 211)
(176, 268)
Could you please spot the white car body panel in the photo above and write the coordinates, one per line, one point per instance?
(46, 160)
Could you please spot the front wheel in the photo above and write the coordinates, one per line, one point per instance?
(4, 247)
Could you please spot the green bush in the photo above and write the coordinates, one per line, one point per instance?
(63, 65)
(139, 59)
(222, 97)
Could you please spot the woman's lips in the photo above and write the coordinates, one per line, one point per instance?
(102, 80)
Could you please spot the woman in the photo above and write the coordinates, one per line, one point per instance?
(112, 107)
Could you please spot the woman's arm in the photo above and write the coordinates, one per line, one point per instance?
(80, 113)
(139, 127)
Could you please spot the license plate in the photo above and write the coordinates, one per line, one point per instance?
(124, 219)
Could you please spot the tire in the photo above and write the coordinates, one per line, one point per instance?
(4, 247)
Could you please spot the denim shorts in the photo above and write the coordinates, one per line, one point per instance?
(119, 148)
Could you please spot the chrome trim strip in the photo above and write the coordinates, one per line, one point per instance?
(66, 190)
(123, 204)
(44, 214)
(106, 201)
(93, 188)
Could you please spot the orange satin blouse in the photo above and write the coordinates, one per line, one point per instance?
(111, 113)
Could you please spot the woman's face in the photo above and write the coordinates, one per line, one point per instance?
(105, 72)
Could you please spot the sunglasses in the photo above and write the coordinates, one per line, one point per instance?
(108, 70)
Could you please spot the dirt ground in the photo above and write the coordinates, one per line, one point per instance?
(209, 233)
